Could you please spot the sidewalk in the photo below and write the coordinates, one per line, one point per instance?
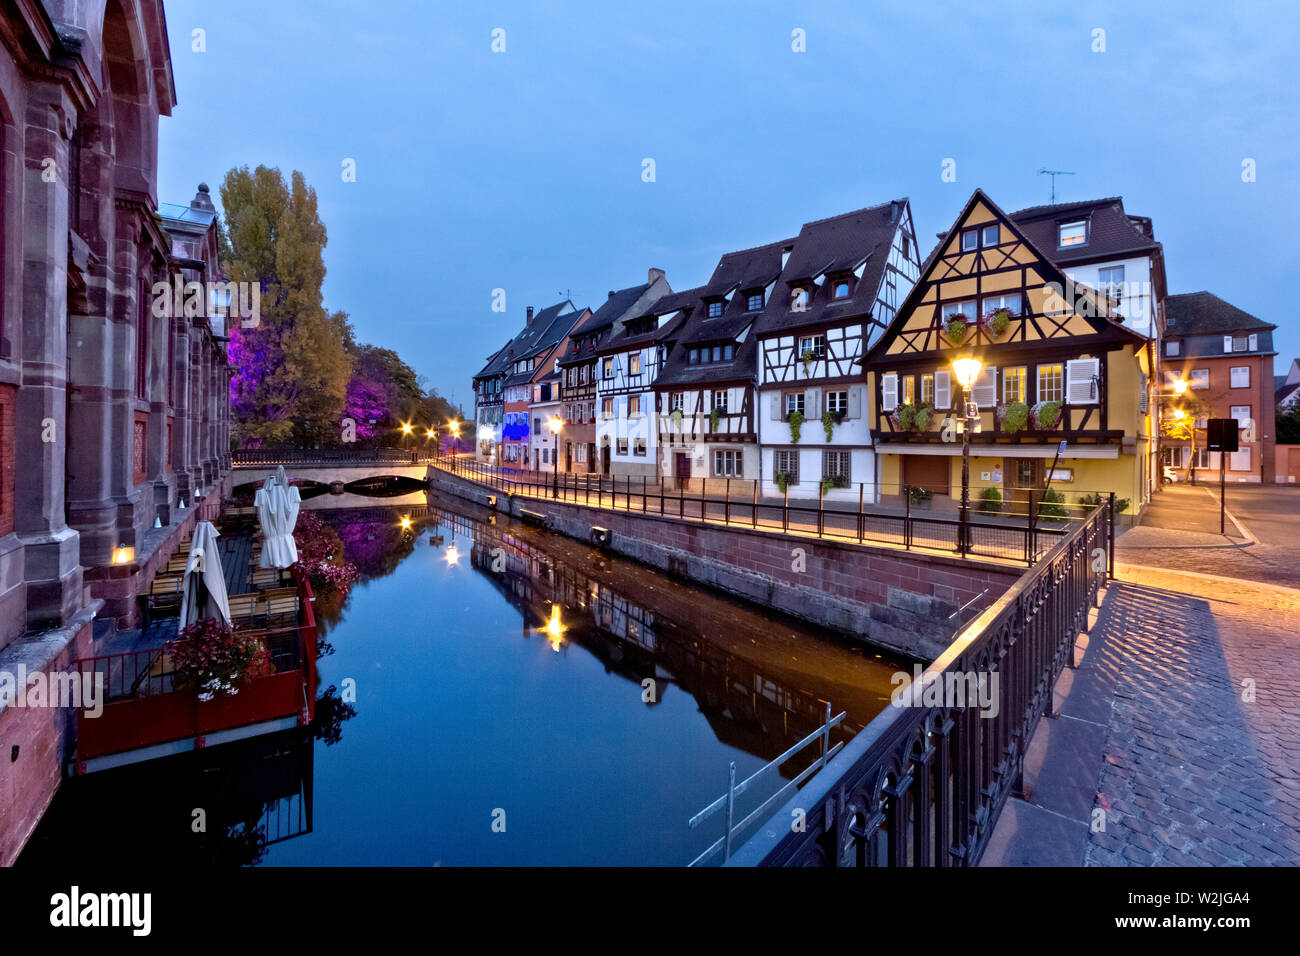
(1154, 731)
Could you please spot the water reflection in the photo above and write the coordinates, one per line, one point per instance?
(480, 665)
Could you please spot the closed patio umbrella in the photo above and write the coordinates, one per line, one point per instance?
(274, 504)
(203, 589)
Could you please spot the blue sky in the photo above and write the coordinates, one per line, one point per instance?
(522, 170)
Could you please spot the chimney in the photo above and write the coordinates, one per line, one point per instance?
(529, 320)
(611, 293)
(202, 200)
(654, 274)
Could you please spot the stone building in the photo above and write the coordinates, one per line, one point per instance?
(112, 406)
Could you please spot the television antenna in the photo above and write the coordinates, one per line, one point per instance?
(1054, 173)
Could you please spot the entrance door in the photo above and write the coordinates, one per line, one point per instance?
(931, 472)
(604, 459)
(682, 469)
(1021, 476)
(591, 458)
(568, 456)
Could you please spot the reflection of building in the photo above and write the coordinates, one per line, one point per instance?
(1225, 356)
(111, 405)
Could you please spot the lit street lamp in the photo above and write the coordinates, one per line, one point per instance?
(555, 424)
(967, 371)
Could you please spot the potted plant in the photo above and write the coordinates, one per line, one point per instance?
(990, 501)
(214, 659)
(1047, 415)
(795, 418)
(995, 324)
(920, 496)
(828, 423)
(1014, 417)
(782, 481)
(1053, 505)
(913, 418)
(955, 327)
(714, 417)
(808, 357)
(827, 484)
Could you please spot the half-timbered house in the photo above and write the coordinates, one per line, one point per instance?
(1058, 365)
(578, 363)
(627, 432)
(530, 357)
(709, 374)
(840, 288)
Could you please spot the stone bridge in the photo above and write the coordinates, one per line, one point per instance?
(328, 468)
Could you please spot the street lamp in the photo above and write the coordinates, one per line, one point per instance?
(555, 424)
(453, 426)
(967, 371)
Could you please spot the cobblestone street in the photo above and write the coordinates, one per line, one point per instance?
(1153, 728)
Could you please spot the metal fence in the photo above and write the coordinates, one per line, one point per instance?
(923, 784)
(1025, 531)
(308, 456)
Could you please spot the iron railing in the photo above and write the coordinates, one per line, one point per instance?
(1025, 536)
(923, 784)
(309, 456)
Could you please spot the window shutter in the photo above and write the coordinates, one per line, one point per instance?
(985, 392)
(811, 399)
(776, 407)
(1079, 388)
(889, 391)
(942, 389)
(855, 403)
(1227, 343)
(1254, 345)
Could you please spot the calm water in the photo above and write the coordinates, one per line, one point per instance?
(470, 702)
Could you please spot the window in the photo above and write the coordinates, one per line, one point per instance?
(1242, 414)
(1240, 377)
(1073, 234)
(755, 302)
(1111, 280)
(715, 309)
(793, 403)
(927, 389)
(837, 402)
(966, 309)
(907, 246)
(634, 364)
(970, 240)
(607, 408)
(1200, 378)
(638, 447)
(786, 462)
(816, 344)
(909, 390)
(546, 456)
(609, 368)
(836, 467)
(991, 303)
(840, 289)
(1171, 347)
(1051, 383)
(1013, 385)
(676, 400)
(537, 425)
(620, 446)
(720, 399)
(633, 405)
(990, 235)
(1239, 460)
(717, 353)
(728, 464)
(726, 353)
(694, 356)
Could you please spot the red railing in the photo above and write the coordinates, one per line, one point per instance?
(143, 707)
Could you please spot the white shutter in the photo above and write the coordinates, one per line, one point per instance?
(776, 407)
(942, 389)
(1239, 460)
(889, 391)
(1254, 344)
(985, 392)
(1227, 343)
(855, 403)
(812, 403)
(1079, 375)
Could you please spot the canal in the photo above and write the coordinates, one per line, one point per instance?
(492, 694)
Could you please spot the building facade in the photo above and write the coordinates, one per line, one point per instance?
(1058, 364)
(839, 289)
(529, 358)
(578, 364)
(1225, 357)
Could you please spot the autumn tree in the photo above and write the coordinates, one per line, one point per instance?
(290, 370)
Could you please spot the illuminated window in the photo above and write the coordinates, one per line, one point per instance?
(909, 390)
(635, 364)
(927, 389)
(1050, 383)
(1013, 385)
(1073, 234)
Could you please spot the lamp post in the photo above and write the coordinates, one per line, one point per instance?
(966, 370)
(454, 427)
(555, 424)
(1180, 389)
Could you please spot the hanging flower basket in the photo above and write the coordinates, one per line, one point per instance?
(955, 328)
(1014, 418)
(995, 324)
(1047, 415)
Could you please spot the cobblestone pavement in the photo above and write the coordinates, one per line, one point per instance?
(1208, 554)
(1193, 774)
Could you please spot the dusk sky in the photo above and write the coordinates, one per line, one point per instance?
(523, 170)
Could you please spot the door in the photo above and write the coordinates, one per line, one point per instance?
(604, 459)
(591, 457)
(1021, 476)
(568, 456)
(931, 472)
(682, 469)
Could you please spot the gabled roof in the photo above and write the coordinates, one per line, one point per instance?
(828, 247)
(1101, 320)
(547, 330)
(1111, 232)
(675, 304)
(609, 320)
(1203, 313)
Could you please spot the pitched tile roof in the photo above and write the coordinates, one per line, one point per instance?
(1111, 231)
(548, 329)
(828, 246)
(675, 305)
(1203, 313)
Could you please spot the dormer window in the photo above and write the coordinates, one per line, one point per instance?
(715, 309)
(840, 289)
(799, 300)
(755, 302)
(1073, 234)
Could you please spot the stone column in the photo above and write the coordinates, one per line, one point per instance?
(52, 568)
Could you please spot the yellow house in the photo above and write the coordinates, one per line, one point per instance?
(1057, 366)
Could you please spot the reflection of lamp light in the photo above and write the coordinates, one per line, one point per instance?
(454, 428)
(406, 428)
(406, 523)
(428, 433)
(452, 555)
(554, 629)
(123, 555)
(1179, 414)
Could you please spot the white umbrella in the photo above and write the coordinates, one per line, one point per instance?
(203, 589)
(274, 504)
